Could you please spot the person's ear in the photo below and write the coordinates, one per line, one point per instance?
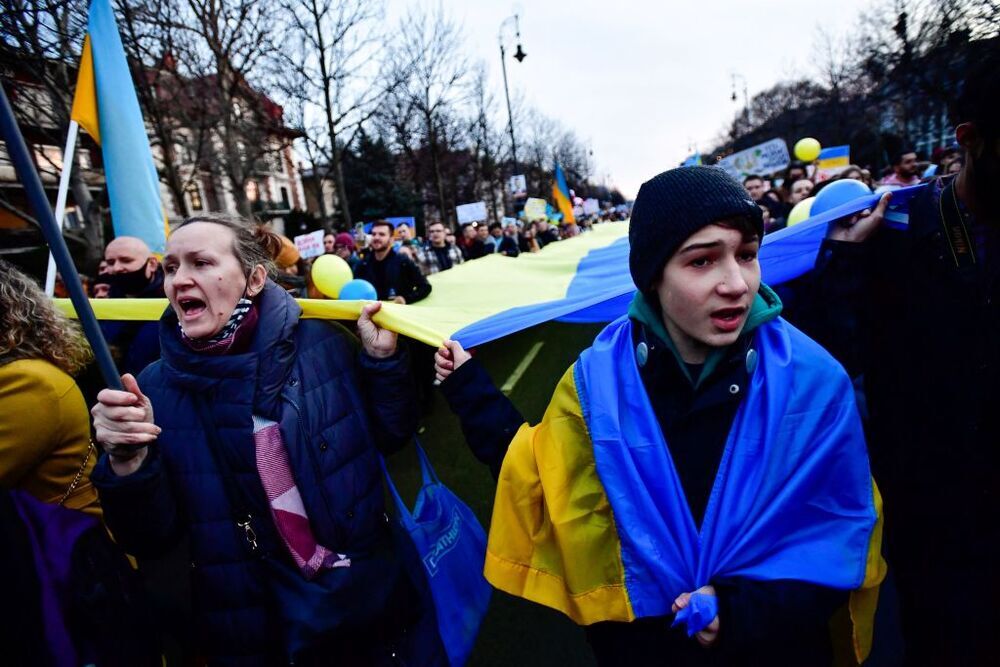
(151, 265)
(256, 281)
(968, 137)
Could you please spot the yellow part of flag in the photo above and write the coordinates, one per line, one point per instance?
(84, 109)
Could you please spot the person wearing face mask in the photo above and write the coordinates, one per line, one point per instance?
(698, 491)
(131, 271)
(257, 436)
(917, 312)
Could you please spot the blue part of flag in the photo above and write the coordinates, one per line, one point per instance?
(410, 221)
(602, 287)
(133, 185)
(834, 152)
(561, 183)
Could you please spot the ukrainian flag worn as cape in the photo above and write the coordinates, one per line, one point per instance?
(590, 517)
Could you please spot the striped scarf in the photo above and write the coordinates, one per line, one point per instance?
(287, 510)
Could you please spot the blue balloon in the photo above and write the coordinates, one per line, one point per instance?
(358, 289)
(837, 193)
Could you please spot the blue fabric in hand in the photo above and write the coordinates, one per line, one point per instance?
(701, 609)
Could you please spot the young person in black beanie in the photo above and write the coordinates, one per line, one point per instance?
(701, 467)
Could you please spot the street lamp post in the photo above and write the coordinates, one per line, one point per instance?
(519, 56)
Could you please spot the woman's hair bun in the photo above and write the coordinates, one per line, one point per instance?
(268, 241)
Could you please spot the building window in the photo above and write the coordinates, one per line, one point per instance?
(48, 157)
(284, 198)
(195, 195)
(83, 158)
(279, 161)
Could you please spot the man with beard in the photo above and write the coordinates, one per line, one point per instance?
(904, 171)
(917, 312)
(395, 277)
(132, 272)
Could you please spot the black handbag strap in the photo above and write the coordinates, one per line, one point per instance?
(242, 516)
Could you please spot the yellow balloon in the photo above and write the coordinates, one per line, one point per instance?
(800, 211)
(807, 149)
(330, 273)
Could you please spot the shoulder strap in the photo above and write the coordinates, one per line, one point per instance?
(242, 516)
(959, 239)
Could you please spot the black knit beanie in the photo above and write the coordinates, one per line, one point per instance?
(676, 204)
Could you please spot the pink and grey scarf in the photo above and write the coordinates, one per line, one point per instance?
(273, 466)
(287, 510)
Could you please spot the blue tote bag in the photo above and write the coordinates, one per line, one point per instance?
(451, 546)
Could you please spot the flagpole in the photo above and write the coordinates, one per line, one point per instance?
(26, 173)
(67, 166)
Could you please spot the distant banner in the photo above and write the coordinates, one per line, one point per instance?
(536, 208)
(763, 159)
(310, 245)
(591, 207)
(407, 220)
(474, 212)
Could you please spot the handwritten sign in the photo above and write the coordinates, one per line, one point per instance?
(310, 245)
(763, 159)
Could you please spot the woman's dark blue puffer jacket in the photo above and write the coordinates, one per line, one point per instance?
(336, 408)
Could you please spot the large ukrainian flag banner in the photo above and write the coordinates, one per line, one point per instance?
(105, 105)
(582, 279)
(560, 192)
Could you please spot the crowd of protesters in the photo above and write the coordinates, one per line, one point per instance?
(210, 442)
(777, 194)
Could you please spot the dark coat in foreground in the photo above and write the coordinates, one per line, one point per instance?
(334, 404)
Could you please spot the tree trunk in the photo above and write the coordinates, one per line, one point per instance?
(90, 211)
(432, 140)
(338, 176)
(331, 127)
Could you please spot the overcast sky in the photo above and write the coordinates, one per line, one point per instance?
(640, 81)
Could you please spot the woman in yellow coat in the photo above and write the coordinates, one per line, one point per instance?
(70, 596)
(45, 447)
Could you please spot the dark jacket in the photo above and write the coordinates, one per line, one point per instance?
(920, 325)
(550, 235)
(508, 246)
(775, 622)
(332, 403)
(477, 249)
(394, 276)
(135, 345)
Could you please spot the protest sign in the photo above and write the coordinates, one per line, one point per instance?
(763, 159)
(474, 212)
(535, 208)
(403, 220)
(518, 185)
(591, 206)
(310, 245)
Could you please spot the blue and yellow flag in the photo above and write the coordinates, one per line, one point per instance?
(590, 517)
(833, 157)
(582, 279)
(105, 105)
(560, 192)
